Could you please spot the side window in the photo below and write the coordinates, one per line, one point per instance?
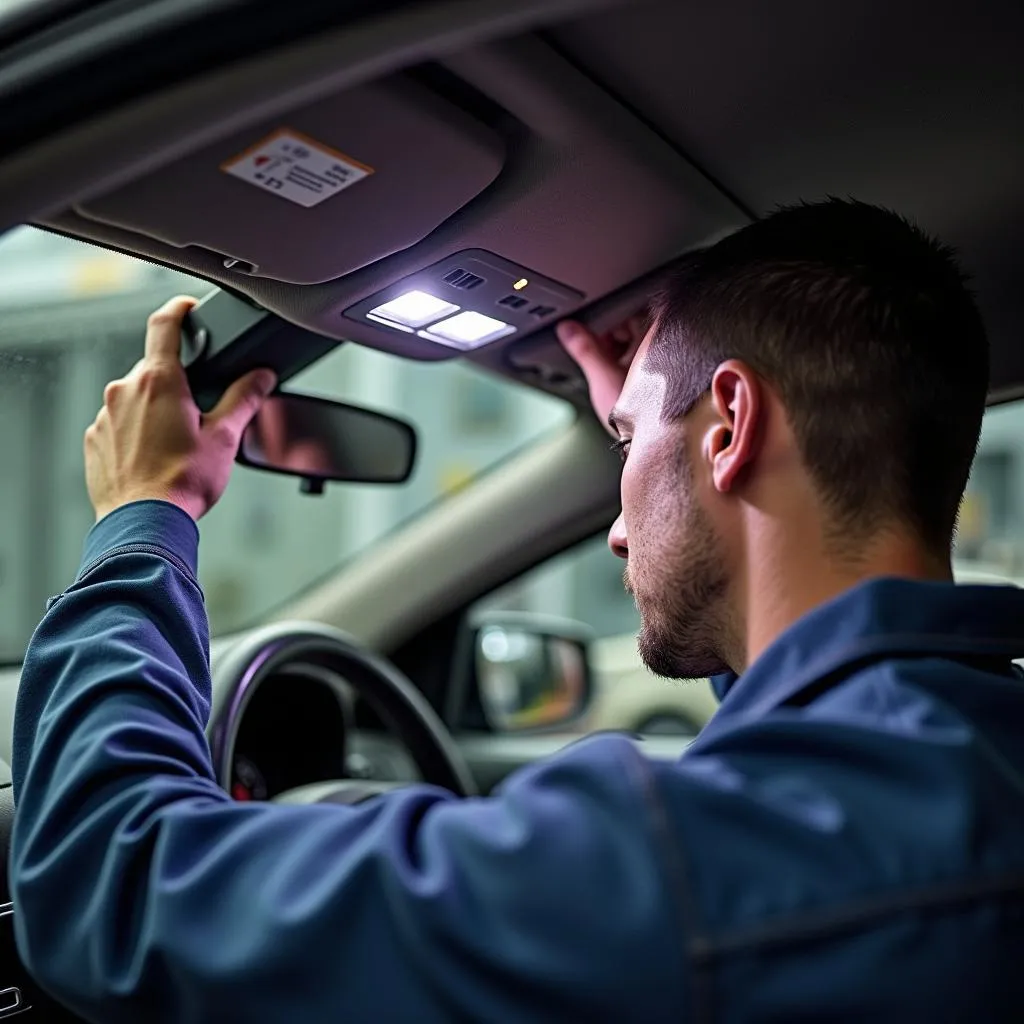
(584, 587)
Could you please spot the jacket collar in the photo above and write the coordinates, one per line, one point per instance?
(880, 618)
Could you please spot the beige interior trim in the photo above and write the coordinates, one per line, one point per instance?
(552, 495)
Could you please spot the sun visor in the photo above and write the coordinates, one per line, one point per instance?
(328, 189)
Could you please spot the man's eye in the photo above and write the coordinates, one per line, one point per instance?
(622, 447)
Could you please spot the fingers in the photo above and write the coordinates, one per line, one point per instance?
(580, 342)
(273, 428)
(618, 345)
(241, 402)
(604, 360)
(163, 331)
(588, 351)
(638, 327)
(636, 331)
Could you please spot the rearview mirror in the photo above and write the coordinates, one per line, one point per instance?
(532, 671)
(321, 440)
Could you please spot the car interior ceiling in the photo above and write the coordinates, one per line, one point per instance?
(591, 152)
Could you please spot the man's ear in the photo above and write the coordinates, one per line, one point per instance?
(731, 441)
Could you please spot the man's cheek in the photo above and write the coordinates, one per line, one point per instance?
(639, 520)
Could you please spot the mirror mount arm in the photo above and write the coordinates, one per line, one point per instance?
(311, 485)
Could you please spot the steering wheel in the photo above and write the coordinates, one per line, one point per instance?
(238, 673)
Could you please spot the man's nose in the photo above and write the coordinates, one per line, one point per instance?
(617, 538)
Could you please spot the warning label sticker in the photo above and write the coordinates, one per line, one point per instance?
(296, 168)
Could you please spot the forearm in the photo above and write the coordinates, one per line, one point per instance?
(131, 632)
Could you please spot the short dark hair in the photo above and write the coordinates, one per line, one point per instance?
(867, 329)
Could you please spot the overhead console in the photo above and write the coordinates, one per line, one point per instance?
(466, 301)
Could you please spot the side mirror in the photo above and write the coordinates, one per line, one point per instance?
(532, 671)
(321, 440)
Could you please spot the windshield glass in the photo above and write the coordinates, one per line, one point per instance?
(72, 318)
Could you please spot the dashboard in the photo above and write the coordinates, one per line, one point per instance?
(304, 724)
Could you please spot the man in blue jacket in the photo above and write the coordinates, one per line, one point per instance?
(845, 841)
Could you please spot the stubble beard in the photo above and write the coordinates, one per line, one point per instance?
(682, 600)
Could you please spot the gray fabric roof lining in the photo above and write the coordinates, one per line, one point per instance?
(775, 102)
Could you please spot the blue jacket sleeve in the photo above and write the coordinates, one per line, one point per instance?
(142, 892)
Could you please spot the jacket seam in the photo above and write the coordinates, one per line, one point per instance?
(694, 935)
(130, 549)
(853, 916)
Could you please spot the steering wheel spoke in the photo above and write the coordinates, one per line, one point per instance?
(336, 791)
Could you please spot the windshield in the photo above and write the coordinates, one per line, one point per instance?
(72, 318)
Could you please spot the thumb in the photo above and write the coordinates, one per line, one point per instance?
(242, 401)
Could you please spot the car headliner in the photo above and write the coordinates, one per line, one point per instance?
(919, 109)
(693, 119)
